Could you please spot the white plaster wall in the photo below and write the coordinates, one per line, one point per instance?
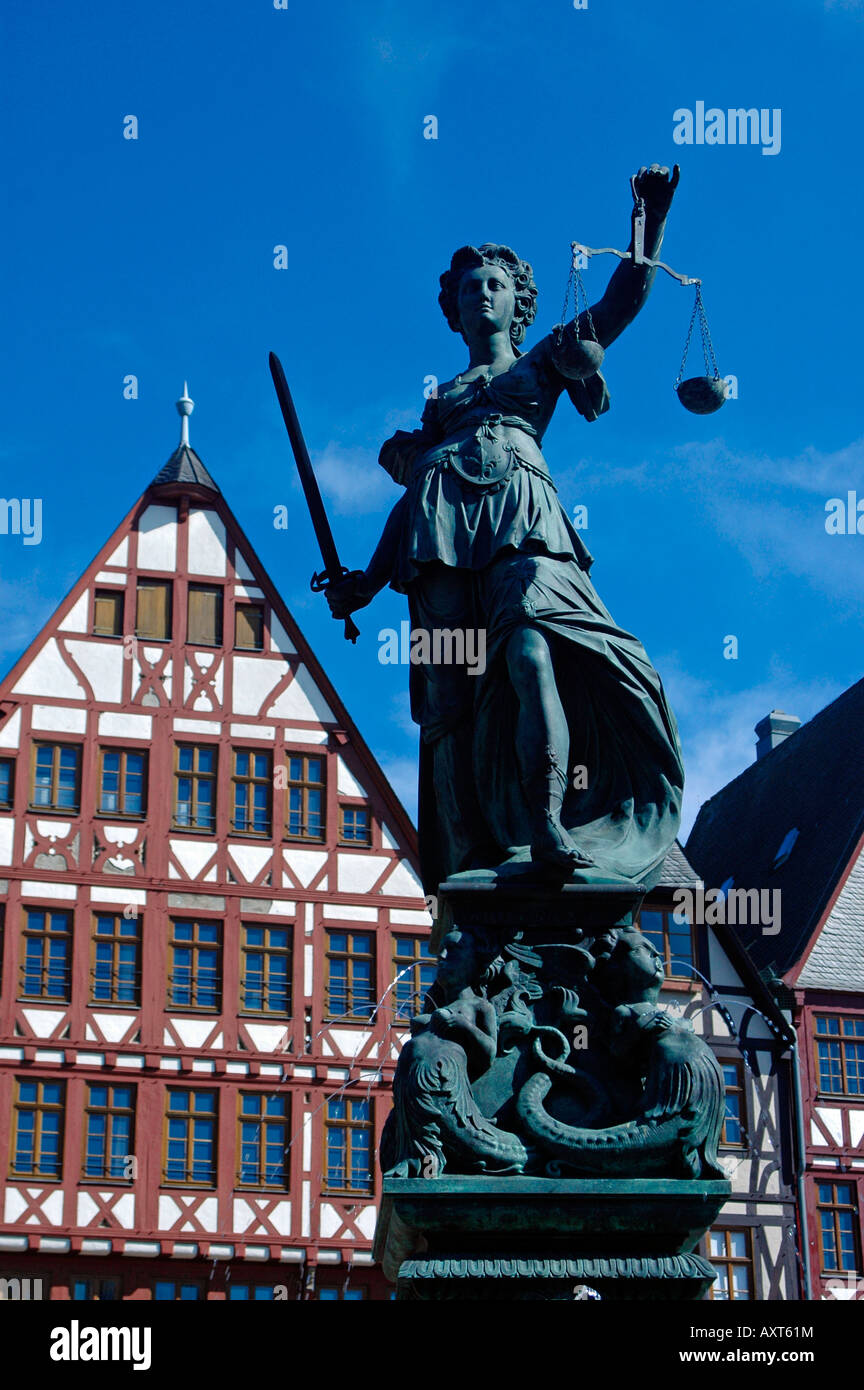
(76, 619)
(345, 782)
(197, 726)
(254, 679)
(48, 674)
(66, 892)
(357, 872)
(7, 836)
(721, 971)
(59, 719)
(157, 539)
(305, 864)
(119, 894)
(279, 639)
(10, 734)
(265, 1036)
(102, 665)
(126, 725)
(403, 882)
(345, 912)
(192, 1032)
(120, 555)
(207, 553)
(301, 700)
(241, 569)
(192, 855)
(250, 859)
(306, 735)
(114, 1027)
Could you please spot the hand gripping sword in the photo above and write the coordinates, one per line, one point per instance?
(333, 569)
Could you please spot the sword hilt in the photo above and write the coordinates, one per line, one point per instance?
(321, 581)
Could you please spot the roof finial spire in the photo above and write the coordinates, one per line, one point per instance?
(185, 406)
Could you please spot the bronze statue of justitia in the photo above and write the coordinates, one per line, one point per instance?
(479, 540)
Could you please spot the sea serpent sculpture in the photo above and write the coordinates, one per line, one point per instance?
(479, 1083)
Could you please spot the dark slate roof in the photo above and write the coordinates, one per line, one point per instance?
(812, 782)
(675, 871)
(837, 958)
(184, 466)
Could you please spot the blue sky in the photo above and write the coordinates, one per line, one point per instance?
(304, 127)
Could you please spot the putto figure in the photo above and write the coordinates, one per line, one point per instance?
(480, 540)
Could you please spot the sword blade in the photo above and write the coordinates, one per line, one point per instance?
(309, 482)
(333, 567)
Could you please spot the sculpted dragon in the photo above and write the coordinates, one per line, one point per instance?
(494, 1010)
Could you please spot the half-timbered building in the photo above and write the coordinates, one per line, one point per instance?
(213, 937)
(792, 826)
(711, 981)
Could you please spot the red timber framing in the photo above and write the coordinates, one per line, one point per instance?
(834, 1142)
(754, 1054)
(832, 1094)
(131, 694)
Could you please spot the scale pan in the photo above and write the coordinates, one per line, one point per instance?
(702, 394)
(583, 358)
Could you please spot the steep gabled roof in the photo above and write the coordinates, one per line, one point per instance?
(49, 663)
(812, 783)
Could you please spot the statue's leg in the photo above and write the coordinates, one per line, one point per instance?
(543, 746)
(453, 831)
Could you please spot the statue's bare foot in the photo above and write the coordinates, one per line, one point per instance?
(552, 845)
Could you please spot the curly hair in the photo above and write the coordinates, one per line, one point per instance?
(520, 272)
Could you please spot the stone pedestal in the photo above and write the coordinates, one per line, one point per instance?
(534, 1239)
(522, 901)
(553, 1126)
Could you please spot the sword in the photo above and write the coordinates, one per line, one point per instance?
(333, 569)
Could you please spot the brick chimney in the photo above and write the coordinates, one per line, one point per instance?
(773, 729)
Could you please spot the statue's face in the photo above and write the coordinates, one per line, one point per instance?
(645, 959)
(635, 970)
(456, 960)
(487, 301)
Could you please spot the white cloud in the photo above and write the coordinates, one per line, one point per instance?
(400, 714)
(353, 480)
(772, 510)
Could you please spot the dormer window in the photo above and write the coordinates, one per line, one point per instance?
(785, 849)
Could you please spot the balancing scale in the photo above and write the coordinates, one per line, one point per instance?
(700, 394)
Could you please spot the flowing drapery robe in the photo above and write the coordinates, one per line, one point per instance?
(485, 544)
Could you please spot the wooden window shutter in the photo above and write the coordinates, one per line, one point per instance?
(205, 616)
(249, 626)
(108, 613)
(154, 609)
